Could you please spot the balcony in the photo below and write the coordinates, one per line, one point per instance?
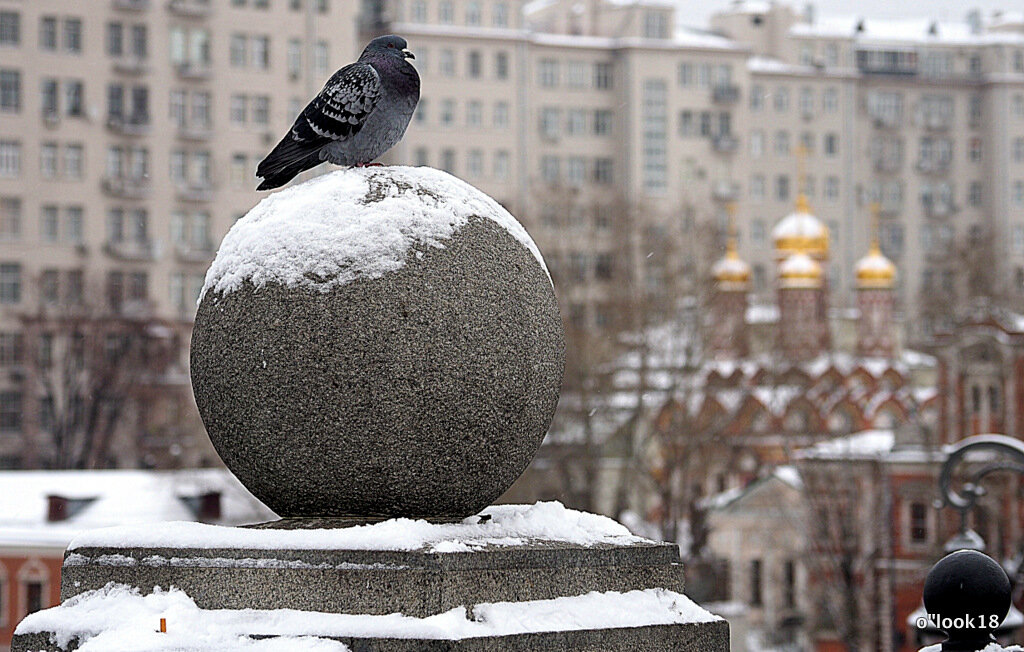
(725, 191)
(725, 143)
(131, 250)
(194, 70)
(725, 94)
(190, 8)
(195, 133)
(195, 192)
(127, 187)
(187, 252)
(130, 65)
(131, 5)
(129, 126)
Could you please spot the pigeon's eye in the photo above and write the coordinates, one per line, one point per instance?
(391, 45)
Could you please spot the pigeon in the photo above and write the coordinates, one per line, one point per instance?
(362, 112)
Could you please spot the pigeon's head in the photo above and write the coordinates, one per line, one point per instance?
(388, 46)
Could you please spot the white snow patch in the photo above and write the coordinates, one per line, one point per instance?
(324, 233)
(509, 525)
(110, 617)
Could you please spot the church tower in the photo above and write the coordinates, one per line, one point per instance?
(876, 278)
(727, 332)
(802, 249)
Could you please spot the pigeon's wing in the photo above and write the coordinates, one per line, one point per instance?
(341, 108)
(337, 113)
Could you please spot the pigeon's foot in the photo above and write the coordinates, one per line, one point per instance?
(369, 165)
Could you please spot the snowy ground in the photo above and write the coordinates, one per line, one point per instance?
(508, 525)
(118, 617)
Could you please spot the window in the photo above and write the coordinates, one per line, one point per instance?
(549, 167)
(577, 122)
(831, 145)
(500, 14)
(789, 584)
(475, 66)
(655, 133)
(48, 224)
(548, 73)
(447, 113)
(549, 119)
(475, 163)
(756, 144)
(321, 58)
(260, 51)
(782, 143)
(10, 28)
(757, 187)
(501, 65)
(974, 150)
(755, 582)
(419, 11)
(974, 193)
(448, 161)
(10, 283)
(474, 113)
(576, 171)
(806, 102)
(447, 63)
(576, 75)
(10, 91)
(473, 13)
(73, 35)
(603, 171)
(501, 164)
(10, 218)
(10, 158)
(602, 122)
(684, 74)
(238, 109)
(830, 100)
(115, 39)
(782, 187)
(238, 50)
(420, 116)
(48, 33)
(73, 99)
(781, 99)
(10, 411)
(756, 98)
(260, 106)
(919, 521)
(1018, 150)
(445, 13)
(602, 76)
(655, 25)
(140, 42)
(501, 111)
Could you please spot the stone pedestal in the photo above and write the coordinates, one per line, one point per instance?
(462, 577)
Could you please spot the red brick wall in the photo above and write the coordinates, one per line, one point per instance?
(11, 591)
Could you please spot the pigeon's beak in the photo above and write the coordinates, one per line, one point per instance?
(408, 55)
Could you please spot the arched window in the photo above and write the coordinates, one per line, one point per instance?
(34, 588)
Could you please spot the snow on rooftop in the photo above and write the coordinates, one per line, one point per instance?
(114, 497)
(509, 525)
(865, 444)
(335, 228)
(120, 617)
(900, 30)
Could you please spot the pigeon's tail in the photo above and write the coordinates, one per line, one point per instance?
(285, 162)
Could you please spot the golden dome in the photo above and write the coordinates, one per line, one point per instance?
(800, 271)
(875, 270)
(731, 272)
(800, 232)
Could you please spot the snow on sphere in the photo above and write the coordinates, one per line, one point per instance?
(377, 342)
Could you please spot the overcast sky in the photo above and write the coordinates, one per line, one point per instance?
(696, 12)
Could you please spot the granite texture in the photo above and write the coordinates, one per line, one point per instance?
(423, 393)
(377, 582)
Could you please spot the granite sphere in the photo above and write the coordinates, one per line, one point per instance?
(377, 342)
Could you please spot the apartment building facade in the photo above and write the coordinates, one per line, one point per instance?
(129, 133)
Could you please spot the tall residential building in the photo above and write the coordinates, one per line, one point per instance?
(130, 130)
(129, 136)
